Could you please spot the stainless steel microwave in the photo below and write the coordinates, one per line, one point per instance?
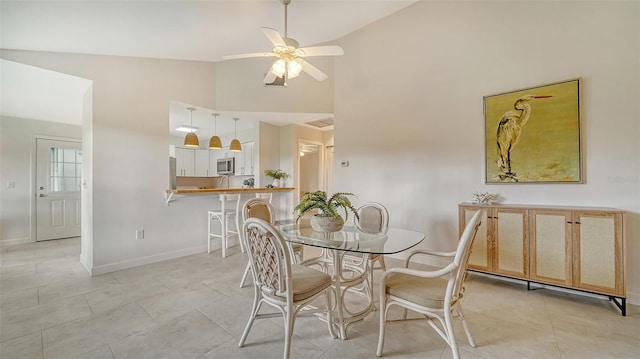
(226, 166)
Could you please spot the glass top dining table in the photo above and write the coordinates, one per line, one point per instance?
(349, 275)
(350, 239)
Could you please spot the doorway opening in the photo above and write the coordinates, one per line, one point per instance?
(311, 172)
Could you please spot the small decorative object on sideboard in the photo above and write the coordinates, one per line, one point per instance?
(277, 175)
(248, 183)
(484, 198)
(329, 219)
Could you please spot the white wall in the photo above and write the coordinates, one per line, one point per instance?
(128, 137)
(17, 151)
(127, 134)
(409, 109)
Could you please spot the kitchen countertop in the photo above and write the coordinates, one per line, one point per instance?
(171, 192)
(230, 190)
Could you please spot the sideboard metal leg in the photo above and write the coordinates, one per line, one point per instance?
(622, 304)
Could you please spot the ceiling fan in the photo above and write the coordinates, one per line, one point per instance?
(290, 55)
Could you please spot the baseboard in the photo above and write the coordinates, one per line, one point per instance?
(135, 262)
(633, 298)
(86, 265)
(13, 242)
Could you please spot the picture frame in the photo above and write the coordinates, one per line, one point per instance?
(533, 135)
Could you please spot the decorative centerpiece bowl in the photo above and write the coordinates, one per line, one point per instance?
(326, 224)
(328, 219)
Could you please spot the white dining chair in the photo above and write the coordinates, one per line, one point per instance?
(259, 208)
(373, 218)
(278, 282)
(256, 208)
(437, 294)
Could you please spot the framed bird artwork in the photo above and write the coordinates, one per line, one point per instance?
(533, 135)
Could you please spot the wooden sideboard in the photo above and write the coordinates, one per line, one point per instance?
(578, 248)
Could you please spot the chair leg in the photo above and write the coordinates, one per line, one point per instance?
(209, 234)
(224, 237)
(383, 319)
(466, 327)
(254, 312)
(242, 249)
(244, 276)
(450, 335)
(289, 317)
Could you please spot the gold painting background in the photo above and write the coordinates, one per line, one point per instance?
(548, 149)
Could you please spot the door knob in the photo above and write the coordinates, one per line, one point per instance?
(41, 188)
(42, 195)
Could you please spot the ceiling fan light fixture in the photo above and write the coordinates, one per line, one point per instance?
(191, 139)
(294, 68)
(290, 55)
(215, 143)
(278, 68)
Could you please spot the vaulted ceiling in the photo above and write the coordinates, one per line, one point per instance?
(184, 30)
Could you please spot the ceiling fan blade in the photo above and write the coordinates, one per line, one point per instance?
(320, 51)
(273, 36)
(270, 77)
(253, 54)
(312, 70)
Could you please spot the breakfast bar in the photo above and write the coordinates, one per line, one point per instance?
(170, 193)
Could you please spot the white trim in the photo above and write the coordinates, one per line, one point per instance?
(633, 298)
(12, 242)
(86, 265)
(130, 263)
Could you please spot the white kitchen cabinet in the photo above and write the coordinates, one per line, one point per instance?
(245, 159)
(185, 161)
(194, 163)
(202, 163)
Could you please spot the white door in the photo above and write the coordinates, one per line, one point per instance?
(58, 169)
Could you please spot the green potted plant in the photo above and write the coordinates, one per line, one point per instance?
(277, 176)
(328, 218)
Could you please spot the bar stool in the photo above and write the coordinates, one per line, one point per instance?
(223, 216)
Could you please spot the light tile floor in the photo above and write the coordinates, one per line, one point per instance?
(192, 307)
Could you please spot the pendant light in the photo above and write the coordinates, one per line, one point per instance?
(214, 142)
(235, 143)
(191, 139)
